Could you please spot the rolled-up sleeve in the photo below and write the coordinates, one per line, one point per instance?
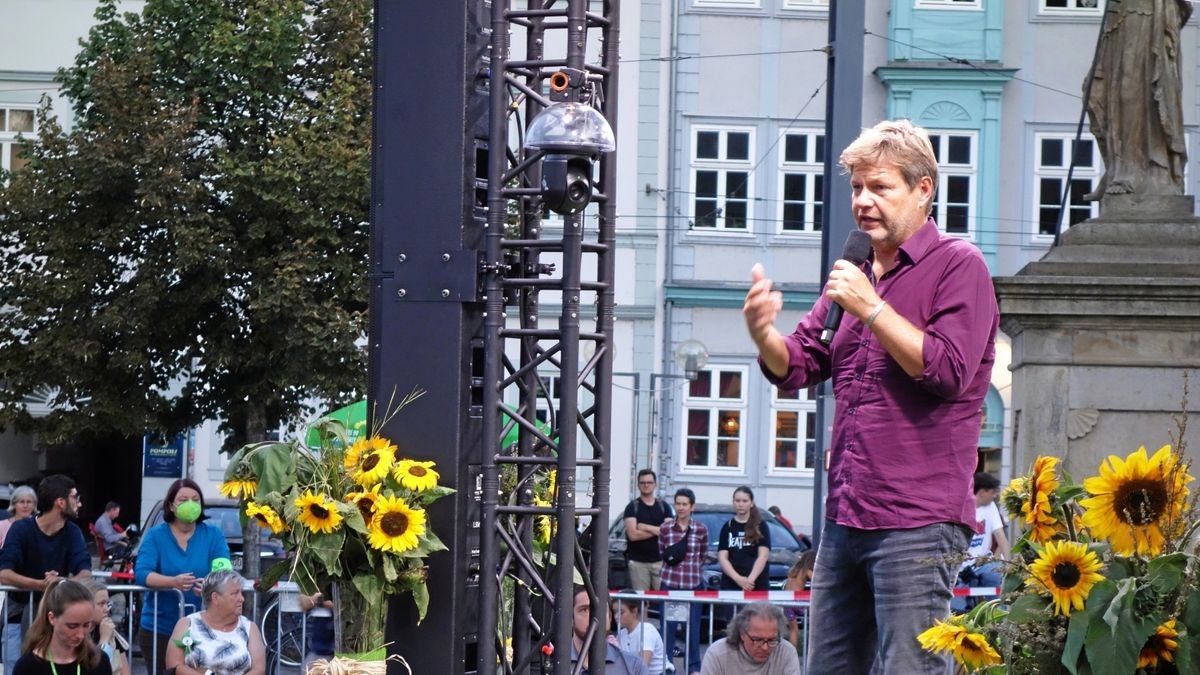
(960, 325)
(808, 359)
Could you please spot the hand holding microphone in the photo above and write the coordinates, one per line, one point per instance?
(856, 251)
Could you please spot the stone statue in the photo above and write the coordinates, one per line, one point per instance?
(1134, 106)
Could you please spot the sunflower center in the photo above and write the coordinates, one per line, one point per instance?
(370, 462)
(262, 519)
(1065, 575)
(394, 524)
(365, 506)
(418, 471)
(318, 511)
(1141, 502)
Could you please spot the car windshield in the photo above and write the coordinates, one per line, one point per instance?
(780, 537)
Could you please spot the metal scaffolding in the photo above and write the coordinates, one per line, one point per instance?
(546, 375)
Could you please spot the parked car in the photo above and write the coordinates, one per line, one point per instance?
(224, 512)
(786, 547)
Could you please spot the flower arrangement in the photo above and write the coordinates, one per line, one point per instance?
(352, 517)
(1103, 578)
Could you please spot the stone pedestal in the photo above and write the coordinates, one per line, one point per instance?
(1103, 329)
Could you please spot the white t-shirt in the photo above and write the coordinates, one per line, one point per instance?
(644, 638)
(987, 521)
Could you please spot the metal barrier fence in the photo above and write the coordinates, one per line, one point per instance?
(675, 608)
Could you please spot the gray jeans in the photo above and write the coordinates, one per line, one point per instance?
(875, 591)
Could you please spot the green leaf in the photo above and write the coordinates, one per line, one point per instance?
(420, 594)
(1029, 608)
(274, 573)
(1077, 627)
(1116, 632)
(1165, 573)
(432, 495)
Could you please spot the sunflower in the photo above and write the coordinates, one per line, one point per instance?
(1037, 510)
(544, 529)
(365, 501)
(1067, 571)
(364, 445)
(266, 517)
(354, 453)
(1135, 500)
(969, 648)
(1013, 497)
(416, 476)
(238, 487)
(372, 467)
(1161, 645)
(318, 513)
(395, 527)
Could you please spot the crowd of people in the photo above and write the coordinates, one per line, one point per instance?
(69, 629)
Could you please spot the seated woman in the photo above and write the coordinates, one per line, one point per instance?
(58, 639)
(218, 639)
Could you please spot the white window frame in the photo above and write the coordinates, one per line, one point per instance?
(946, 171)
(715, 404)
(806, 4)
(728, 4)
(949, 4)
(9, 138)
(1093, 173)
(722, 166)
(811, 168)
(1073, 9)
(803, 406)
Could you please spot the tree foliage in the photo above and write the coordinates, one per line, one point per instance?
(195, 246)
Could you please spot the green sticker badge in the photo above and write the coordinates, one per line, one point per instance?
(221, 565)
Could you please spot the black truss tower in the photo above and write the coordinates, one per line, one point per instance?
(462, 259)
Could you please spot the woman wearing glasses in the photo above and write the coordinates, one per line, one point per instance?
(58, 642)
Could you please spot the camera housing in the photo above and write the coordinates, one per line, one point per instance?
(566, 183)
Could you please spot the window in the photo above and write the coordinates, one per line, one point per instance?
(802, 177)
(14, 122)
(1071, 7)
(713, 411)
(751, 4)
(721, 180)
(949, 4)
(794, 429)
(1051, 160)
(954, 203)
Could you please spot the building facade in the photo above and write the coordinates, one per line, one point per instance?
(739, 135)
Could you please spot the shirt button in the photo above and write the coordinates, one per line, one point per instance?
(858, 376)
(850, 411)
(864, 343)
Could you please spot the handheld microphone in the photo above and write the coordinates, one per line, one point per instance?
(856, 250)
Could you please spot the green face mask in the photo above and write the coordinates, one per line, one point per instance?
(188, 511)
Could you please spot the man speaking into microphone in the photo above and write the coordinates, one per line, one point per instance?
(911, 361)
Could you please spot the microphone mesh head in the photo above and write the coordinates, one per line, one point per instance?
(858, 247)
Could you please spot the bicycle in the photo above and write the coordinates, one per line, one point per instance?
(283, 631)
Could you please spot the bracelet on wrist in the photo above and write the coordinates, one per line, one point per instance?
(874, 314)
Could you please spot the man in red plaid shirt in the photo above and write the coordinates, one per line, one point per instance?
(684, 576)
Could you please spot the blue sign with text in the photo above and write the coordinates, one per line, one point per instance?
(161, 457)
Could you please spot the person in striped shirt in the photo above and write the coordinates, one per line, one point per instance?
(685, 575)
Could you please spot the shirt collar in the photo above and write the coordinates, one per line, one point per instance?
(919, 244)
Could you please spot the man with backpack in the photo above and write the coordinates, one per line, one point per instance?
(643, 516)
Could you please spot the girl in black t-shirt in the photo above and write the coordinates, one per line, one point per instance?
(745, 546)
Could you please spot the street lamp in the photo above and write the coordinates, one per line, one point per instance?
(690, 355)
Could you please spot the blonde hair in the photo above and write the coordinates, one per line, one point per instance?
(898, 142)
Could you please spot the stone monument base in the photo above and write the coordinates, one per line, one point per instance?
(1103, 329)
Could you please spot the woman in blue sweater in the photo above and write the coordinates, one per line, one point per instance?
(175, 556)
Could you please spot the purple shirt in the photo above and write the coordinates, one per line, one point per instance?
(904, 449)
